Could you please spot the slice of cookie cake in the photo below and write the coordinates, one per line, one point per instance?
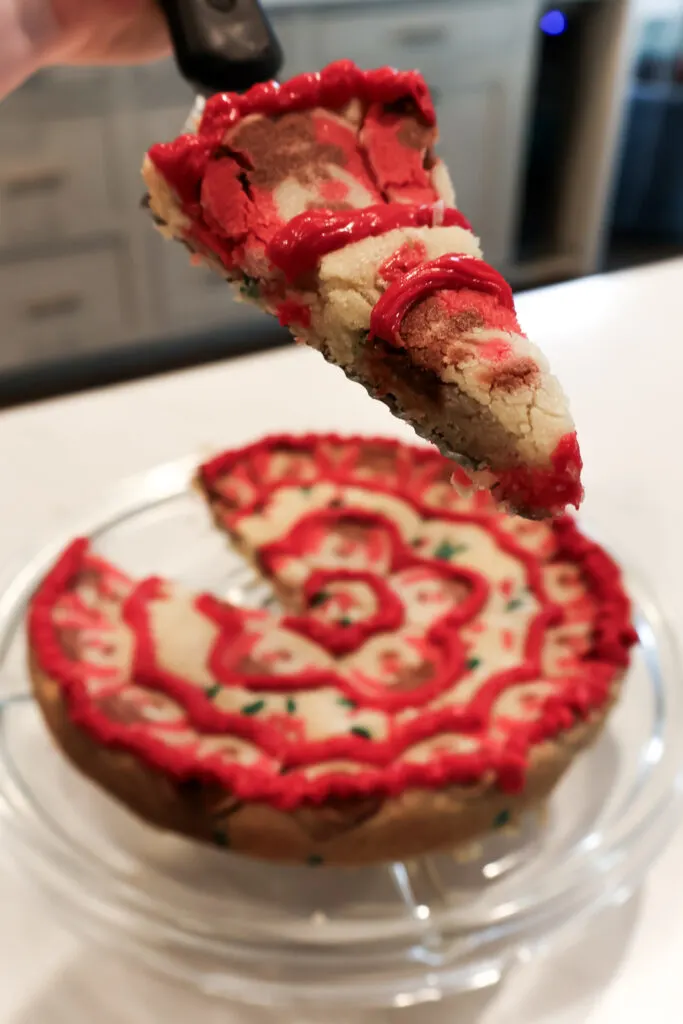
(324, 201)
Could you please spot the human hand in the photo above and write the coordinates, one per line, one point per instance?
(106, 32)
(37, 33)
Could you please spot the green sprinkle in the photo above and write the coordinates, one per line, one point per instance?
(359, 730)
(473, 663)
(346, 621)
(291, 706)
(446, 550)
(315, 860)
(305, 490)
(514, 604)
(317, 599)
(213, 691)
(220, 838)
(502, 819)
(250, 288)
(346, 702)
(253, 709)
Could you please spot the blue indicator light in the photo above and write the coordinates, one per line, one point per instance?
(553, 23)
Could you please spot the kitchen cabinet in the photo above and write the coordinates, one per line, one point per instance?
(71, 144)
(69, 304)
(55, 180)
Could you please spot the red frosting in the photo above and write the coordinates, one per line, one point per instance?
(408, 256)
(551, 488)
(332, 88)
(291, 313)
(331, 636)
(184, 161)
(446, 272)
(242, 482)
(300, 245)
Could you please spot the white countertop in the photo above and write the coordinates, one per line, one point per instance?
(616, 343)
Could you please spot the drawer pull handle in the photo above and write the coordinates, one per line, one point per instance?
(49, 181)
(57, 305)
(421, 35)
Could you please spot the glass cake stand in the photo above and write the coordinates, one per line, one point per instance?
(394, 935)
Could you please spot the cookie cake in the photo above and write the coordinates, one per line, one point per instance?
(433, 668)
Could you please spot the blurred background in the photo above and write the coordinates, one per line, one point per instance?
(562, 125)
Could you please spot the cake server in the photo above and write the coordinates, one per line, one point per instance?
(221, 46)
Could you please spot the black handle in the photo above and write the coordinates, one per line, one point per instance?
(222, 45)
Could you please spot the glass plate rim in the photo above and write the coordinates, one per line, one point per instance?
(605, 854)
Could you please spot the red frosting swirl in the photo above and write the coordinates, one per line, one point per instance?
(446, 272)
(300, 245)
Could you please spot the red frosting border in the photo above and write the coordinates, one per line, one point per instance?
(614, 636)
(183, 161)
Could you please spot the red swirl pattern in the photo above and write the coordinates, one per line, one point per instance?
(297, 246)
(184, 161)
(450, 271)
(414, 617)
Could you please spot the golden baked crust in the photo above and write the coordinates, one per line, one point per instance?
(416, 823)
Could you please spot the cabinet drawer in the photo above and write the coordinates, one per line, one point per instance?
(439, 39)
(195, 298)
(63, 91)
(60, 306)
(54, 180)
(160, 84)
